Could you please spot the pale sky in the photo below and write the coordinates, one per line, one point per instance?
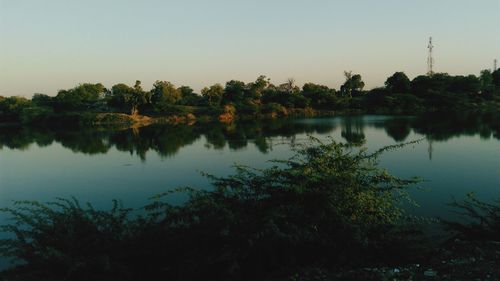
(56, 44)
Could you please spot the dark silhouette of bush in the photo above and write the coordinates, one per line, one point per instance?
(482, 220)
(329, 204)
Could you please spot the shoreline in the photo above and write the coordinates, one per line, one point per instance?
(115, 118)
(227, 117)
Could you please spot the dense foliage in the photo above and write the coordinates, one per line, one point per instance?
(438, 92)
(329, 205)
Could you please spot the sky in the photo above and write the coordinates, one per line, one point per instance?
(50, 45)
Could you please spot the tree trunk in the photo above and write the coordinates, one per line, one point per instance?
(134, 110)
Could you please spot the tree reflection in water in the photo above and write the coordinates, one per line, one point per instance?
(166, 140)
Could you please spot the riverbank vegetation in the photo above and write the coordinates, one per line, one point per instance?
(327, 213)
(85, 103)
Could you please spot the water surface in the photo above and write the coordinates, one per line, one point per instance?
(459, 154)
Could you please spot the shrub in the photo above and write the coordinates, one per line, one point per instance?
(328, 204)
(36, 114)
(274, 108)
(12, 107)
(170, 109)
(482, 220)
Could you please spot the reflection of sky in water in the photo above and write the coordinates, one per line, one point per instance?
(459, 165)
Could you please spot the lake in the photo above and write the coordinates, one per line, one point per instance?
(458, 153)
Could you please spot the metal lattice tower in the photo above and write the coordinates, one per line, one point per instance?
(430, 59)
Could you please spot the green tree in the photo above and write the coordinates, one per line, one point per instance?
(80, 97)
(255, 89)
(120, 95)
(234, 92)
(487, 86)
(188, 96)
(353, 84)
(270, 94)
(287, 95)
(420, 85)
(42, 100)
(425, 86)
(319, 96)
(128, 98)
(465, 84)
(186, 91)
(165, 92)
(289, 87)
(12, 107)
(398, 83)
(496, 78)
(213, 95)
(139, 98)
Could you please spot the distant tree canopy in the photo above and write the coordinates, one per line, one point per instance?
(165, 92)
(487, 84)
(213, 94)
(128, 98)
(353, 84)
(234, 92)
(465, 84)
(439, 91)
(256, 88)
(80, 97)
(12, 107)
(42, 100)
(319, 96)
(398, 83)
(496, 78)
(188, 96)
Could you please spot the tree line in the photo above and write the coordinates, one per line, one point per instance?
(399, 94)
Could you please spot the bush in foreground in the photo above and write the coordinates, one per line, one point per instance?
(329, 205)
(482, 220)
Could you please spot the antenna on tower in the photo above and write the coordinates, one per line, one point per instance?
(430, 59)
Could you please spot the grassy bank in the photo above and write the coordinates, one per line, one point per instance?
(178, 115)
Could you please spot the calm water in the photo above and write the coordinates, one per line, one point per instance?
(460, 154)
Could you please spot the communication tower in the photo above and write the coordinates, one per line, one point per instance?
(430, 59)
